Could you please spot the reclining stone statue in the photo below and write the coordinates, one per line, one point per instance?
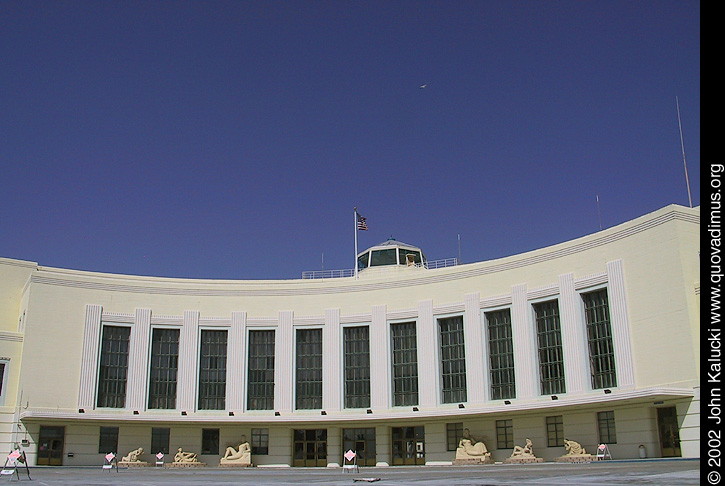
(184, 457)
(133, 456)
(241, 456)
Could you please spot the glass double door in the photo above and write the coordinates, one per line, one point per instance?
(362, 442)
(310, 448)
(408, 445)
(669, 432)
(50, 446)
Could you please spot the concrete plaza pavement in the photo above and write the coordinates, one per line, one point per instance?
(656, 472)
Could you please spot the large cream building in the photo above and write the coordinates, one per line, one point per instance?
(594, 340)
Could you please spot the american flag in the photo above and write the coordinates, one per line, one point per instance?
(361, 224)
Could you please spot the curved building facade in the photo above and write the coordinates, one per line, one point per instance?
(595, 340)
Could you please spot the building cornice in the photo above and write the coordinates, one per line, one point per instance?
(276, 288)
(592, 399)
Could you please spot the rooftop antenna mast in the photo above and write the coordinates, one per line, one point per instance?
(682, 143)
(599, 212)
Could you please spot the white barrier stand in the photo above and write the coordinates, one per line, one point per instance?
(160, 459)
(603, 452)
(110, 462)
(11, 464)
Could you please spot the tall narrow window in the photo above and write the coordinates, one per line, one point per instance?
(260, 386)
(309, 369)
(551, 356)
(160, 440)
(260, 442)
(405, 364)
(357, 367)
(108, 440)
(505, 434)
(210, 441)
(113, 370)
(501, 354)
(607, 431)
(599, 336)
(212, 370)
(453, 360)
(454, 432)
(555, 431)
(164, 368)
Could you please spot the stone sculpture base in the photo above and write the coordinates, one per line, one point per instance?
(523, 460)
(473, 461)
(184, 464)
(577, 458)
(234, 464)
(134, 464)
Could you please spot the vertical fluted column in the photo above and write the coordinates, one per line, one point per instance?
(427, 334)
(139, 360)
(524, 349)
(89, 359)
(284, 363)
(331, 360)
(572, 336)
(380, 398)
(236, 367)
(473, 335)
(188, 361)
(620, 324)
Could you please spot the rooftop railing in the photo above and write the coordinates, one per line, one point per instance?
(350, 272)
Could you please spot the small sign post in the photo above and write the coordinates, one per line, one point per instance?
(160, 459)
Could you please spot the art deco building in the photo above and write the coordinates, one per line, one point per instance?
(595, 340)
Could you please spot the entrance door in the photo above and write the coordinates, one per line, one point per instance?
(362, 441)
(50, 446)
(408, 445)
(310, 448)
(669, 432)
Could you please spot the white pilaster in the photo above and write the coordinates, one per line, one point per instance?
(89, 358)
(380, 394)
(473, 335)
(427, 337)
(188, 362)
(236, 366)
(524, 350)
(620, 324)
(138, 360)
(284, 363)
(572, 337)
(331, 361)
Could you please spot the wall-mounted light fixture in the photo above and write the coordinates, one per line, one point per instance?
(554, 397)
(276, 414)
(369, 410)
(415, 409)
(460, 405)
(183, 412)
(506, 402)
(135, 412)
(81, 410)
(607, 391)
(231, 414)
(323, 413)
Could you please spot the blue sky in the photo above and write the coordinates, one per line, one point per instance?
(232, 139)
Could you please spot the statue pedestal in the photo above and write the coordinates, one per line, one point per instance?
(183, 465)
(575, 458)
(134, 464)
(473, 461)
(523, 460)
(224, 463)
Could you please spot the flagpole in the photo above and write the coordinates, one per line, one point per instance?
(355, 267)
